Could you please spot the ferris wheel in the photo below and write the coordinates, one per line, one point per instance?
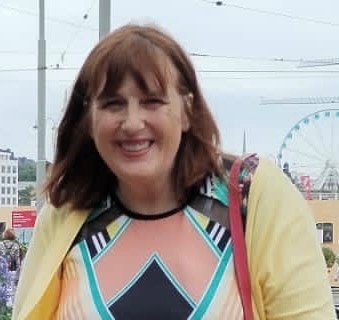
(311, 149)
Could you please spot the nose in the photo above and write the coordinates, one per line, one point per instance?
(134, 119)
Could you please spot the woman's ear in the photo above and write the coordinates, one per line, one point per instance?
(189, 101)
(188, 104)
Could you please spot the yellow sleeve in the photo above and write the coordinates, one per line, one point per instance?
(288, 273)
(28, 289)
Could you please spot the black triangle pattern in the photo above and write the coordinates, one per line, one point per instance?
(153, 296)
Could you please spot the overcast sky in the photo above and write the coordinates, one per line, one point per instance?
(247, 39)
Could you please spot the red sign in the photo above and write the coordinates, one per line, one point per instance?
(306, 183)
(23, 219)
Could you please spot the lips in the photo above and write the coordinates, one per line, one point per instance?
(135, 146)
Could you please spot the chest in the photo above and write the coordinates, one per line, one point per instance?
(177, 268)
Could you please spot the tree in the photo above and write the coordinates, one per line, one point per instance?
(26, 169)
(27, 174)
(329, 256)
(25, 196)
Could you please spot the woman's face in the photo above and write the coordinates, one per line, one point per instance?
(138, 134)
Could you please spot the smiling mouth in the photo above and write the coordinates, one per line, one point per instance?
(135, 147)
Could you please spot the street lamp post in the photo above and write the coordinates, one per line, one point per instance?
(41, 156)
(104, 17)
(53, 129)
(104, 28)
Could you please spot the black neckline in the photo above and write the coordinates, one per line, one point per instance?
(143, 216)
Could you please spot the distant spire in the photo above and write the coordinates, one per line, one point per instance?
(244, 143)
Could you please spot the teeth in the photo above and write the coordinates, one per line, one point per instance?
(135, 146)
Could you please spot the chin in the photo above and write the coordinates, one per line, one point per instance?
(140, 172)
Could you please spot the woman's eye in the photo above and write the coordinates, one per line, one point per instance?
(154, 101)
(114, 103)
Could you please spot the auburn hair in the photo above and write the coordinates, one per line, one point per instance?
(79, 177)
(9, 234)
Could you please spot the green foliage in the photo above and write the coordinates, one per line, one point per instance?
(26, 169)
(27, 173)
(330, 257)
(25, 196)
(5, 313)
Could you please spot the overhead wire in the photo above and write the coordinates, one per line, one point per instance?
(18, 69)
(274, 77)
(267, 59)
(219, 74)
(273, 13)
(71, 39)
(192, 54)
(232, 70)
(303, 63)
(26, 52)
(225, 77)
(53, 19)
(266, 71)
(218, 3)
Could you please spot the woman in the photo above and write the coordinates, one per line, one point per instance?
(137, 221)
(10, 250)
(10, 255)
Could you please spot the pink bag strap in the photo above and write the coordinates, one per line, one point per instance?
(238, 238)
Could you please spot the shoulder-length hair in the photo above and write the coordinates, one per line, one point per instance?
(79, 177)
(9, 234)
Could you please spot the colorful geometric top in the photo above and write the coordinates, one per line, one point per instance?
(175, 267)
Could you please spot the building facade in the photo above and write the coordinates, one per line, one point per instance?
(8, 179)
(326, 213)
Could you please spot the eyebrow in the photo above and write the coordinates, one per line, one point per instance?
(105, 97)
(156, 94)
(113, 95)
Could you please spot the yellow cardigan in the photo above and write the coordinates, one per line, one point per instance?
(287, 269)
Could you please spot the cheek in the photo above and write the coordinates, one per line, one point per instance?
(95, 130)
(102, 124)
(174, 129)
(185, 122)
(175, 117)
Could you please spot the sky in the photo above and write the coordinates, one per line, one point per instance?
(239, 40)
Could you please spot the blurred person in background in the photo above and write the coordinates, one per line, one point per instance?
(10, 249)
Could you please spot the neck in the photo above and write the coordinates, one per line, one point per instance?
(148, 198)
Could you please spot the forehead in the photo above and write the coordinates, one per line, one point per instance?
(148, 65)
(148, 84)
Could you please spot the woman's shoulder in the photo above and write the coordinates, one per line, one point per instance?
(50, 214)
(216, 187)
(213, 193)
(271, 188)
(51, 219)
(269, 176)
(259, 176)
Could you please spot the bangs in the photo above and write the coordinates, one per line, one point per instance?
(135, 56)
